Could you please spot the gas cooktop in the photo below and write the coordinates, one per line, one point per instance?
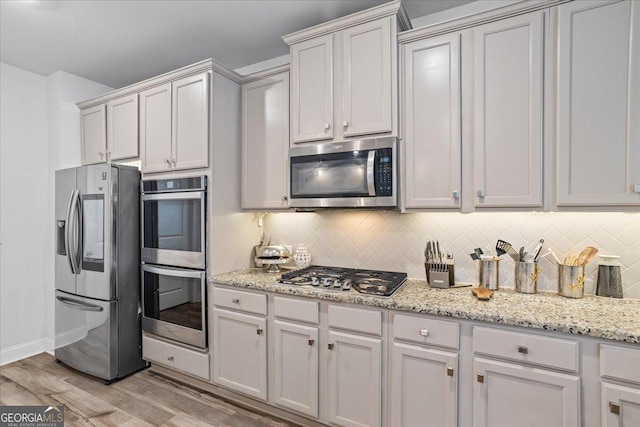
(370, 282)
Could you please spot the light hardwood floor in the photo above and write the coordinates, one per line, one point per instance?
(143, 399)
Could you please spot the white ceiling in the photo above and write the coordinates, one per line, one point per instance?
(119, 42)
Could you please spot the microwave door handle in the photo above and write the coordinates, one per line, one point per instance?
(370, 177)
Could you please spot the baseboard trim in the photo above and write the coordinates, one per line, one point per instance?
(22, 351)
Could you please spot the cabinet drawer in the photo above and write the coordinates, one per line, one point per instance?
(529, 348)
(355, 319)
(620, 363)
(240, 300)
(179, 358)
(426, 331)
(294, 309)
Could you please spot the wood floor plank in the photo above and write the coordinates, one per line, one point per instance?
(141, 400)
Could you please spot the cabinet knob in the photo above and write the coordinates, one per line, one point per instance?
(424, 332)
(236, 300)
(327, 125)
(259, 331)
(636, 188)
(167, 161)
(170, 358)
(285, 198)
(449, 371)
(480, 378)
(345, 123)
(480, 193)
(614, 408)
(330, 346)
(311, 341)
(101, 155)
(108, 153)
(456, 194)
(174, 162)
(522, 349)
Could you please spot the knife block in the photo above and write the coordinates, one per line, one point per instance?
(439, 279)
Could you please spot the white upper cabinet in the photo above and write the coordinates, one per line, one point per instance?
(367, 78)
(508, 89)
(122, 127)
(598, 104)
(265, 142)
(431, 124)
(93, 132)
(155, 128)
(312, 90)
(174, 125)
(190, 122)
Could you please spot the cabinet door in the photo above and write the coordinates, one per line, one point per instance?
(312, 90)
(506, 394)
(508, 112)
(424, 387)
(94, 135)
(367, 78)
(598, 139)
(620, 406)
(432, 139)
(190, 122)
(355, 380)
(240, 353)
(295, 354)
(122, 127)
(155, 129)
(265, 142)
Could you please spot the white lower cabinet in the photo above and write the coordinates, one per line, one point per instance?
(295, 353)
(355, 380)
(423, 387)
(508, 394)
(240, 352)
(620, 406)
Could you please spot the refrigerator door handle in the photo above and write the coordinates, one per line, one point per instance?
(79, 304)
(74, 218)
(68, 235)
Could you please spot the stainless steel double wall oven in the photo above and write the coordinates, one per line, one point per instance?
(174, 236)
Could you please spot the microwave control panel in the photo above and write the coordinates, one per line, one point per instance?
(384, 172)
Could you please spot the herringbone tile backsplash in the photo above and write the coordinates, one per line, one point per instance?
(393, 241)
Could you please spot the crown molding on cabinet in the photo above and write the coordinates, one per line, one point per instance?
(463, 23)
(197, 68)
(387, 9)
(265, 73)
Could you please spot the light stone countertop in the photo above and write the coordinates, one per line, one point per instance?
(609, 318)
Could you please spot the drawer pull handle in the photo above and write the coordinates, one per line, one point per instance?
(327, 125)
(259, 331)
(522, 349)
(480, 378)
(330, 346)
(236, 300)
(614, 408)
(311, 341)
(345, 123)
(170, 358)
(424, 332)
(449, 371)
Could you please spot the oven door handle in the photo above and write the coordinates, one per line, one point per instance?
(370, 176)
(175, 272)
(174, 196)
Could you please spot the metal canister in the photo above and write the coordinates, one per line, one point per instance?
(488, 274)
(571, 280)
(527, 277)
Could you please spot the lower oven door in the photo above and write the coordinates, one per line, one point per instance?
(174, 304)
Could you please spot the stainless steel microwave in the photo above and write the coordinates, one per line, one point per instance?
(350, 174)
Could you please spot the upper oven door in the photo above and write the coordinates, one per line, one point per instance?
(173, 229)
(347, 174)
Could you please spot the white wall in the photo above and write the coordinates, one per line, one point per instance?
(40, 133)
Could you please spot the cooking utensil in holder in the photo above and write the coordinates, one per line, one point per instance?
(488, 273)
(440, 275)
(527, 277)
(571, 280)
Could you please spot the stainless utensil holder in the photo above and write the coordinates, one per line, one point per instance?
(488, 273)
(527, 277)
(439, 275)
(571, 281)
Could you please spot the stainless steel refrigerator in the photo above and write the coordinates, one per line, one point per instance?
(97, 270)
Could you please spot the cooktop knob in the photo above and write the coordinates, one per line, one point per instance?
(337, 283)
(326, 282)
(346, 285)
(315, 281)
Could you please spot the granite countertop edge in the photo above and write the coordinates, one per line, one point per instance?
(607, 318)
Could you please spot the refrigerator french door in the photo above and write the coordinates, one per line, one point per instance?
(97, 277)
